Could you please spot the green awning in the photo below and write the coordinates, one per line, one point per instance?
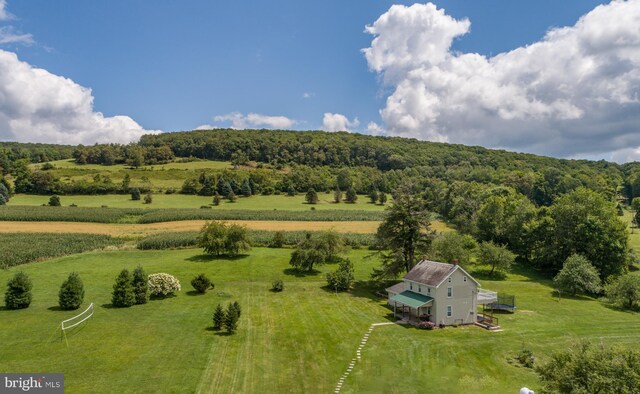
(411, 299)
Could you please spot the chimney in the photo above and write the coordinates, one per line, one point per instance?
(455, 261)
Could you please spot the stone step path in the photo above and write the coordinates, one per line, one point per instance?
(352, 364)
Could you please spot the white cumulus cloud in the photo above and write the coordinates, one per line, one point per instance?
(253, 120)
(576, 92)
(374, 129)
(37, 106)
(338, 122)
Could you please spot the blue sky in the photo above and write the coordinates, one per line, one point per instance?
(172, 65)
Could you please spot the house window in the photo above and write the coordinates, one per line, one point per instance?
(449, 292)
(464, 278)
(419, 289)
(428, 290)
(449, 311)
(410, 286)
(428, 310)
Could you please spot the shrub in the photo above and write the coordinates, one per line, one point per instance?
(525, 358)
(140, 285)
(123, 295)
(311, 197)
(625, 291)
(3, 201)
(148, 198)
(277, 286)
(231, 196)
(278, 240)
(426, 325)
(71, 292)
(54, 201)
(162, 285)
(201, 283)
(578, 275)
(351, 195)
(218, 317)
(217, 238)
(342, 278)
(18, 294)
(216, 199)
(135, 194)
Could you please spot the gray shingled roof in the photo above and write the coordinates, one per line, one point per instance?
(430, 273)
(397, 288)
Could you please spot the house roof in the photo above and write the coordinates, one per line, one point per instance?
(397, 288)
(433, 273)
(411, 299)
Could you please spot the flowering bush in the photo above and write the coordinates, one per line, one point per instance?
(163, 284)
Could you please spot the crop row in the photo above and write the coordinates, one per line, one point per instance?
(21, 248)
(256, 238)
(141, 215)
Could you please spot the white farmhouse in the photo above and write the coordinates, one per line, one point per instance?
(438, 292)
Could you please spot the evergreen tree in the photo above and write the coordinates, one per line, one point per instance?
(235, 186)
(54, 201)
(255, 189)
(207, 186)
(135, 194)
(216, 199)
(4, 192)
(311, 197)
(2, 200)
(337, 195)
(236, 306)
(71, 292)
(245, 190)
(218, 317)
(351, 195)
(140, 284)
(222, 187)
(18, 294)
(123, 295)
(231, 319)
(148, 198)
(231, 196)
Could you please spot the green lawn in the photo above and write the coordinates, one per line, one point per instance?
(283, 203)
(297, 341)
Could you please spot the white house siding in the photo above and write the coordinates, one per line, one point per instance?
(463, 300)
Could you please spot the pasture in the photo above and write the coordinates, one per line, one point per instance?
(273, 202)
(300, 340)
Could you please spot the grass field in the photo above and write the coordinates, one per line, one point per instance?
(297, 341)
(192, 165)
(273, 202)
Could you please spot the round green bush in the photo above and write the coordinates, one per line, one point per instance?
(71, 292)
(201, 283)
